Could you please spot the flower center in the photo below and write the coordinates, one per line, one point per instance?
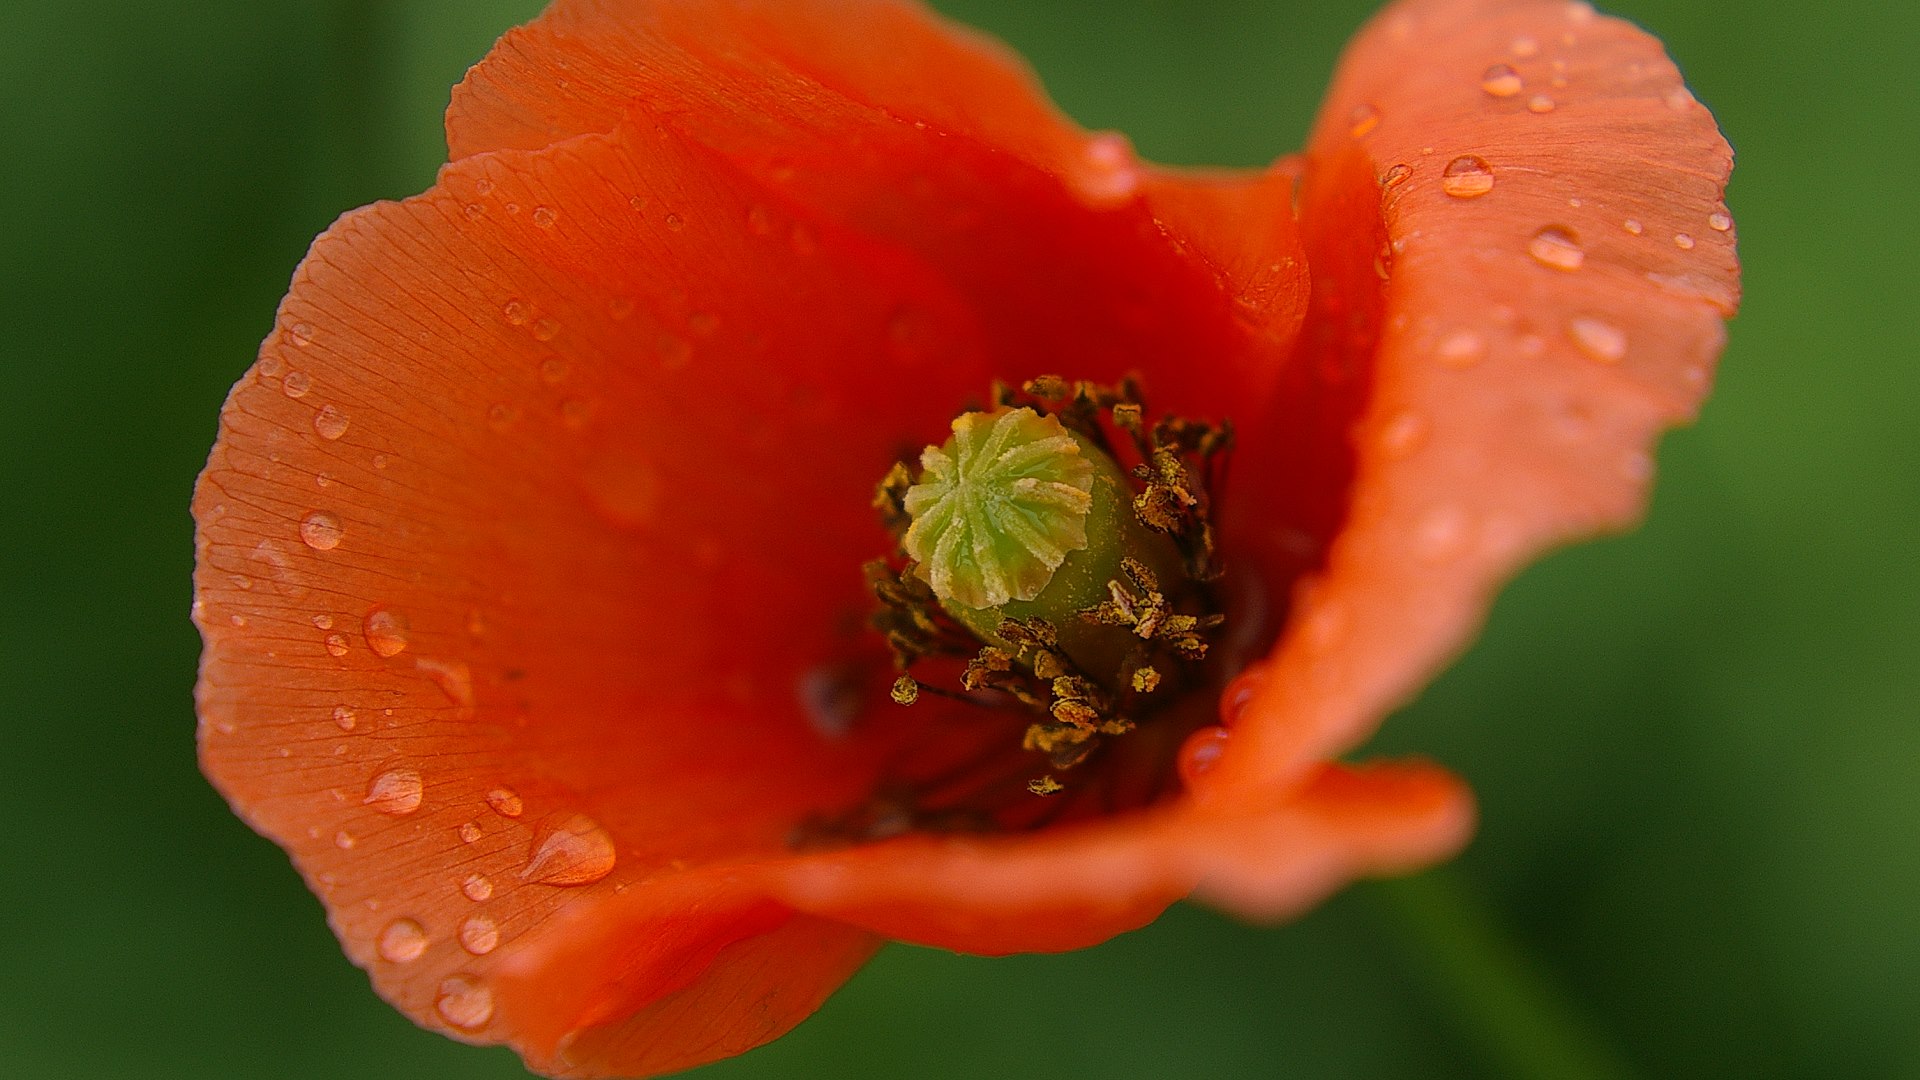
(1057, 550)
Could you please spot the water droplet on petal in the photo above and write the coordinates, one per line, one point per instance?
(1633, 226)
(1598, 338)
(479, 935)
(1201, 751)
(386, 632)
(337, 644)
(322, 621)
(1441, 534)
(1683, 241)
(1500, 81)
(516, 313)
(330, 422)
(469, 832)
(321, 531)
(1111, 177)
(1540, 103)
(477, 888)
(1720, 221)
(296, 384)
(576, 851)
(1524, 47)
(1403, 434)
(1241, 692)
(1462, 348)
(344, 840)
(464, 1001)
(344, 717)
(1467, 177)
(395, 791)
(1556, 246)
(1396, 175)
(505, 802)
(453, 677)
(1363, 119)
(402, 941)
(544, 216)
(300, 334)
(674, 222)
(545, 330)
(675, 352)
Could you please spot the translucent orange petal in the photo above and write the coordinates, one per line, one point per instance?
(1509, 352)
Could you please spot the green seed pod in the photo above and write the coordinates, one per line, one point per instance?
(1017, 517)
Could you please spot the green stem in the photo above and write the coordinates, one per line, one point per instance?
(1505, 999)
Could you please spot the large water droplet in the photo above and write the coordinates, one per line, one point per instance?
(1201, 751)
(1598, 338)
(477, 888)
(386, 632)
(330, 422)
(395, 791)
(464, 1001)
(576, 851)
(1467, 177)
(1241, 692)
(1500, 81)
(402, 941)
(479, 935)
(505, 802)
(1556, 246)
(321, 531)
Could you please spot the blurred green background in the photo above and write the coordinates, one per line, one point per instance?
(1696, 747)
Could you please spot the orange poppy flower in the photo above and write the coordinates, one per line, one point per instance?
(529, 551)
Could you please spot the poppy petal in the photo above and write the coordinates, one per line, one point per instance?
(1073, 887)
(1550, 268)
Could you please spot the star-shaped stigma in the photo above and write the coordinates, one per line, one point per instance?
(999, 507)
